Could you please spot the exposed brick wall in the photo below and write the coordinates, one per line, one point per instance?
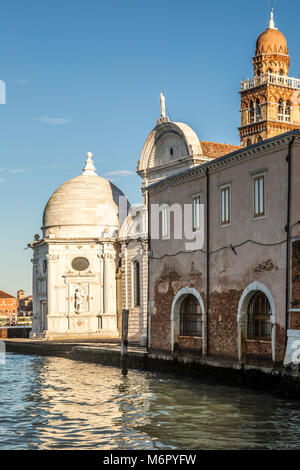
(280, 343)
(296, 276)
(222, 323)
(223, 335)
(190, 344)
(252, 349)
(259, 348)
(161, 316)
(295, 320)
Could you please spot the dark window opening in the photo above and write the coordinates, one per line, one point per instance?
(251, 112)
(259, 317)
(280, 110)
(287, 111)
(258, 111)
(137, 284)
(190, 317)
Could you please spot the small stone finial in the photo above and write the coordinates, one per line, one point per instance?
(89, 168)
(271, 22)
(162, 105)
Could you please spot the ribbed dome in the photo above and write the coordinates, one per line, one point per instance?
(270, 41)
(85, 206)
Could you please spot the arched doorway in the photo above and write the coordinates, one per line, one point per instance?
(256, 317)
(187, 315)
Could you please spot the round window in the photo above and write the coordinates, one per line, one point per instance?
(80, 264)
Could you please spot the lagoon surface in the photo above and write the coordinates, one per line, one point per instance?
(56, 403)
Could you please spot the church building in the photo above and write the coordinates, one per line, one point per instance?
(90, 263)
(237, 295)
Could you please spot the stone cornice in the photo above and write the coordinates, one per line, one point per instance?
(271, 121)
(165, 166)
(232, 158)
(73, 241)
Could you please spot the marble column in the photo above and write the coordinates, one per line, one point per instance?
(35, 306)
(110, 306)
(51, 294)
(101, 283)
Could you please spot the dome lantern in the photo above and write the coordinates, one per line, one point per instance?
(271, 54)
(89, 168)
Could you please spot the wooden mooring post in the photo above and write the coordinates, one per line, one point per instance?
(124, 342)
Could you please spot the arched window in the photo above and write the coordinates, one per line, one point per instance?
(287, 111)
(137, 284)
(251, 112)
(259, 317)
(259, 139)
(44, 266)
(280, 110)
(258, 110)
(281, 72)
(249, 142)
(190, 317)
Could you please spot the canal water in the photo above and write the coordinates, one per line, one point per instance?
(56, 403)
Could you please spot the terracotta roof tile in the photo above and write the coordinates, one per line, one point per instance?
(216, 150)
(4, 295)
(29, 297)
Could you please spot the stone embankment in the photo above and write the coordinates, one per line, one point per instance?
(280, 380)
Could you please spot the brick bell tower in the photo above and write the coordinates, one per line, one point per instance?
(270, 102)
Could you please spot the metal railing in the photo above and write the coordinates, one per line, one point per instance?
(259, 329)
(190, 326)
(17, 321)
(273, 79)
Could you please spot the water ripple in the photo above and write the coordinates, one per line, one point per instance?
(54, 403)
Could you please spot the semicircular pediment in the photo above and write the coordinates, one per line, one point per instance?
(167, 147)
(169, 142)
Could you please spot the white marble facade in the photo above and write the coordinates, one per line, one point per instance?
(74, 265)
(70, 301)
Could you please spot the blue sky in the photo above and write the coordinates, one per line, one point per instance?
(86, 76)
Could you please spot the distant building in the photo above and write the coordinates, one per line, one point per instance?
(8, 304)
(24, 304)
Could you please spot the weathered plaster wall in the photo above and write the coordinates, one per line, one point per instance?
(230, 272)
